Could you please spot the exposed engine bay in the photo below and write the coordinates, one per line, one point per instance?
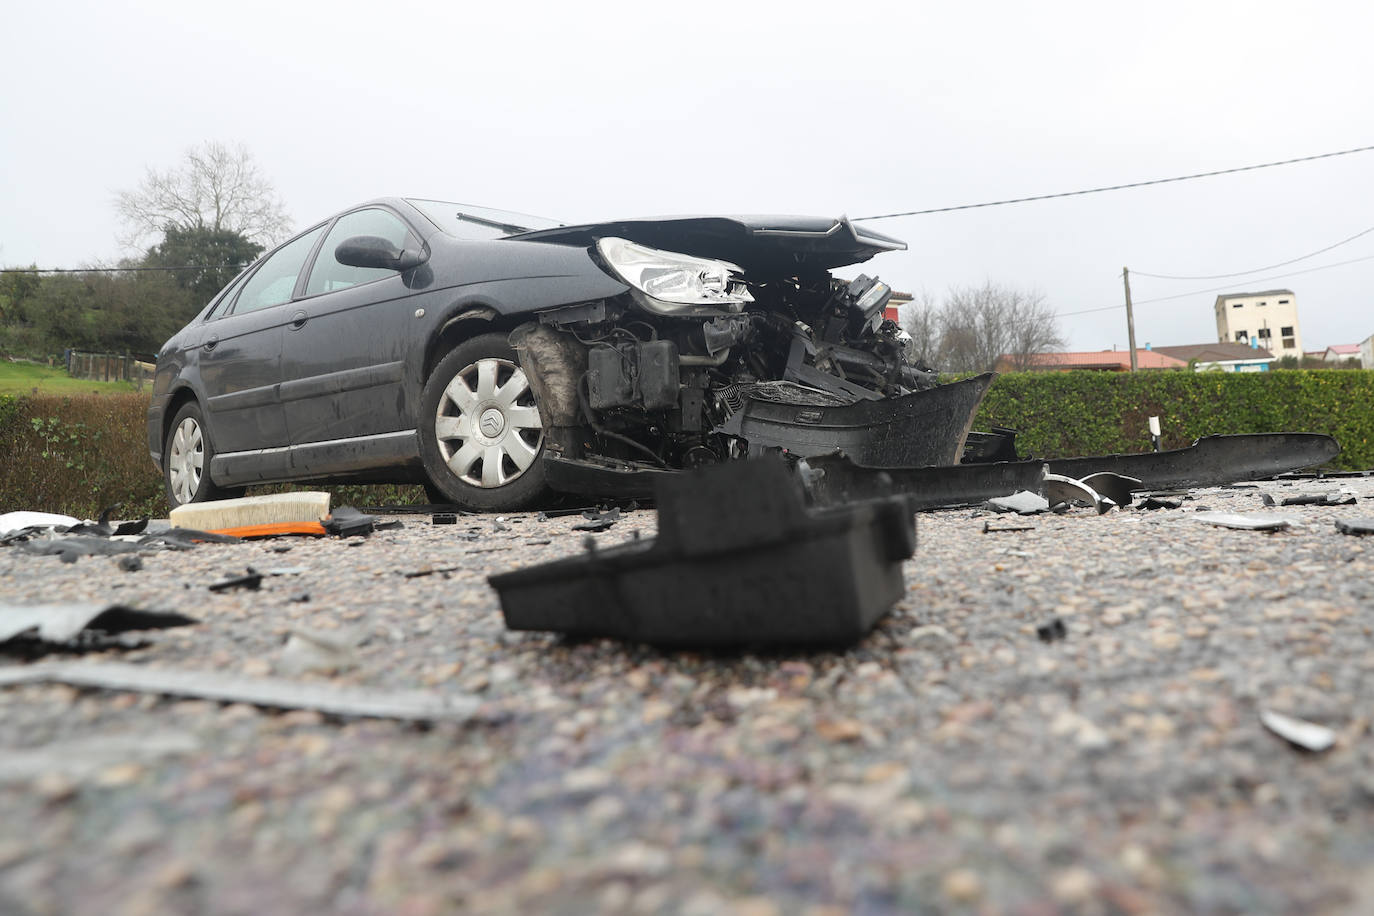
(804, 365)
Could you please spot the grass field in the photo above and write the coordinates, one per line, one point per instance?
(23, 378)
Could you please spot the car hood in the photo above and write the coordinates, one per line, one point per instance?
(777, 245)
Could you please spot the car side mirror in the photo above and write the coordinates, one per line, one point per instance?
(373, 251)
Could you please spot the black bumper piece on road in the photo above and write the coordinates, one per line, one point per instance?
(739, 561)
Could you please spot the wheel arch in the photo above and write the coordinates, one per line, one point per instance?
(470, 320)
(179, 398)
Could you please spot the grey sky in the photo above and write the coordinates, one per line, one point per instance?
(589, 110)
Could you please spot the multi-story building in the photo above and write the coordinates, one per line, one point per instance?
(1267, 319)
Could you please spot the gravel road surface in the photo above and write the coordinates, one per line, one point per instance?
(951, 762)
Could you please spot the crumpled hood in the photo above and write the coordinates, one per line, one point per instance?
(761, 245)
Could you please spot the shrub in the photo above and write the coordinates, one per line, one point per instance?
(1096, 413)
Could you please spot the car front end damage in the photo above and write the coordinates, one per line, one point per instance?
(706, 359)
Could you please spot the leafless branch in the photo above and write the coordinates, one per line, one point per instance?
(217, 186)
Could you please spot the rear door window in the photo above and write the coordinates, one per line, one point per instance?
(274, 281)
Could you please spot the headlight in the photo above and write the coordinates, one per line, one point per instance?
(674, 283)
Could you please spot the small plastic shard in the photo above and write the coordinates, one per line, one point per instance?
(1054, 630)
(130, 562)
(597, 521)
(251, 580)
(739, 560)
(1022, 502)
(1356, 526)
(1255, 521)
(1267, 500)
(23, 520)
(444, 518)
(61, 623)
(1307, 735)
(1160, 502)
(1329, 498)
(990, 528)
(1061, 489)
(1116, 487)
(266, 692)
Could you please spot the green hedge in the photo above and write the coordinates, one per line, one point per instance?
(79, 454)
(1096, 413)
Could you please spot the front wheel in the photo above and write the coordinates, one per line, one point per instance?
(186, 456)
(481, 436)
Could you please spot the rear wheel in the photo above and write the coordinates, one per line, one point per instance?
(186, 456)
(481, 436)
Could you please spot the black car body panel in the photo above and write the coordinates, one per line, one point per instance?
(759, 244)
(321, 372)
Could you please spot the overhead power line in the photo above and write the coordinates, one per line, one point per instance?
(1215, 289)
(1241, 273)
(1118, 187)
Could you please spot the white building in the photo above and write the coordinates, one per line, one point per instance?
(1367, 352)
(1266, 319)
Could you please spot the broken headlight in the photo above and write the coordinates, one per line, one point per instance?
(674, 283)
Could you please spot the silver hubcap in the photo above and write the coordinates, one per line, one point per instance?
(487, 424)
(186, 462)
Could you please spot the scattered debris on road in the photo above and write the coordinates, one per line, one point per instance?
(1330, 498)
(60, 624)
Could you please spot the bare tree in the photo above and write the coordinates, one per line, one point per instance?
(977, 325)
(921, 320)
(217, 187)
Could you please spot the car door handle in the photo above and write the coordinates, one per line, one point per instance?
(211, 342)
(298, 320)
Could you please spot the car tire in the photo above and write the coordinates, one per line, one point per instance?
(481, 434)
(186, 455)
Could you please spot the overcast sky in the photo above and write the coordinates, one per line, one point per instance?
(595, 110)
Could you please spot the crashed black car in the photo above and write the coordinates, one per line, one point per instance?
(494, 357)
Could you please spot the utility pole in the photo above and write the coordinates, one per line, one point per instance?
(1130, 317)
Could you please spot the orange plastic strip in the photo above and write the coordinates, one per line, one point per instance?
(273, 530)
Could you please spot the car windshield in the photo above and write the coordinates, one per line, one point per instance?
(469, 222)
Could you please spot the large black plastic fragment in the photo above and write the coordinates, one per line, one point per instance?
(738, 561)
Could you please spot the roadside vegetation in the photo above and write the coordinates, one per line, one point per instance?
(23, 377)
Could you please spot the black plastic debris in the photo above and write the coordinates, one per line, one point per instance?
(597, 521)
(77, 625)
(1356, 526)
(130, 562)
(1049, 632)
(250, 580)
(990, 528)
(738, 561)
(70, 547)
(345, 521)
(1330, 498)
(443, 518)
(1160, 502)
